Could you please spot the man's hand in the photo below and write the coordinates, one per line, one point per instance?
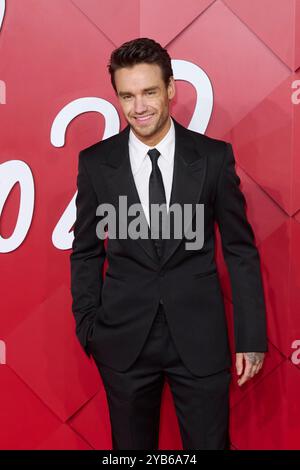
(253, 364)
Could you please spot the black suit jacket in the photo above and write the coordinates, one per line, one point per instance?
(114, 313)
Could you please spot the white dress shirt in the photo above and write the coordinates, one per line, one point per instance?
(141, 165)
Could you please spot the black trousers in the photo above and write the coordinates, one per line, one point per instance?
(134, 397)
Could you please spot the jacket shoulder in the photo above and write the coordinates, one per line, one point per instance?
(214, 149)
(98, 151)
(98, 147)
(207, 143)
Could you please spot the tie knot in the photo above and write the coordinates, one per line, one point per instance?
(153, 154)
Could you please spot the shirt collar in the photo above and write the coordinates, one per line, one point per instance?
(139, 149)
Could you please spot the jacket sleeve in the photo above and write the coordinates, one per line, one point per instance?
(87, 258)
(242, 260)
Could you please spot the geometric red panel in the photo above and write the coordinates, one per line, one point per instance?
(273, 23)
(25, 420)
(295, 98)
(92, 422)
(144, 21)
(217, 29)
(263, 140)
(297, 35)
(64, 439)
(294, 285)
(103, 14)
(57, 370)
(269, 415)
(179, 18)
(275, 255)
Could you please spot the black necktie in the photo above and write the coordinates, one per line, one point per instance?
(156, 196)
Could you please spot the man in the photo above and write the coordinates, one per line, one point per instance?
(158, 313)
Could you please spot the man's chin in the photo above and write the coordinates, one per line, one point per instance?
(143, 130)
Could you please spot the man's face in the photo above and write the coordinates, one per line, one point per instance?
(144, 99)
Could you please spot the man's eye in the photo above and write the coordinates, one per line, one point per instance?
(151, 92)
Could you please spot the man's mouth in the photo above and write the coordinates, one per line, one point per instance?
(144, 118)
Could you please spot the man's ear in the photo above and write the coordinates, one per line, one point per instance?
(171, 88)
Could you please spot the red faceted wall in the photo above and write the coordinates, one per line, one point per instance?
(236, 65)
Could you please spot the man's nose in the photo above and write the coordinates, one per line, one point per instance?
(140, 106)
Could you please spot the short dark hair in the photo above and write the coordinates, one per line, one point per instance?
(137, 51)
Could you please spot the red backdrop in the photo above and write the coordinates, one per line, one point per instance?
(236, 69)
